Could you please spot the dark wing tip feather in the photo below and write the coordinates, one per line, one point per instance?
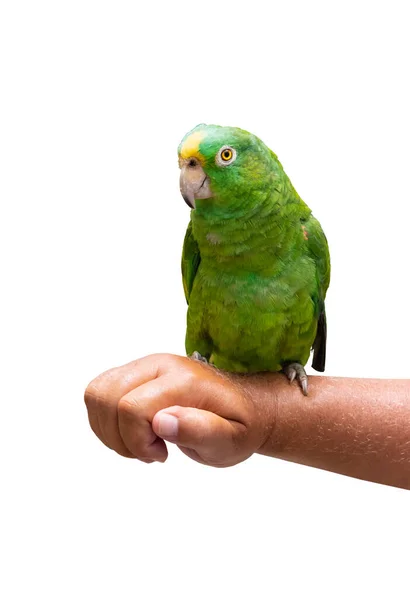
(319, 345)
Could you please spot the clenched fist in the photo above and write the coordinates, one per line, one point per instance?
(210, 415)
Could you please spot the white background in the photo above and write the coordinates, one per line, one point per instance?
(95, 97)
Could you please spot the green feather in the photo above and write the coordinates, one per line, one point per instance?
(190, 261)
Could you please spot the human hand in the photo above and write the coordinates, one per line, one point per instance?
(209, 414)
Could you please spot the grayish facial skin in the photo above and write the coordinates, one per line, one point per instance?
(193, 182)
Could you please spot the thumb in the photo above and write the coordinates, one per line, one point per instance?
(202, 435)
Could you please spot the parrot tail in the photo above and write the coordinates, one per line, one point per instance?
(319, 345)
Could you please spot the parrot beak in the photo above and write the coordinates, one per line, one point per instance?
(193, 182)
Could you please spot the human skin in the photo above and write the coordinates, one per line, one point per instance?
(356, 427)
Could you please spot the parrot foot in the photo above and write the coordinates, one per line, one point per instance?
(296, 371)
(196, 356)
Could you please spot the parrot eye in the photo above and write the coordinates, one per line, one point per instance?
(225, 156)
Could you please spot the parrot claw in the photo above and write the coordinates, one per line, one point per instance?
(291, 375)
(196, 356)
(296, 371)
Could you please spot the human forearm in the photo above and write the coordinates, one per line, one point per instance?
(357, 427)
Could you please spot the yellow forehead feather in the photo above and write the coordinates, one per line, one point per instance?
(191, 146)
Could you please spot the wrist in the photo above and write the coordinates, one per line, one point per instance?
(262, 393)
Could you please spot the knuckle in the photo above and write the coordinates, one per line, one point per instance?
(95, 390)
(187, 379)
(167, 360)
(128, 408)
(90, 397)
(158, 363)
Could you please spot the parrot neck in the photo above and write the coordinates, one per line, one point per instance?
(252, 239)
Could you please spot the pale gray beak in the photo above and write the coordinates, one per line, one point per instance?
(193, 182)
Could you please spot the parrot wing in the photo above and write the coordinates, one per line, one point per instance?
(191, 258)
(319, 250)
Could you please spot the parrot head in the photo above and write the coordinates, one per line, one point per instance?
(222, 166)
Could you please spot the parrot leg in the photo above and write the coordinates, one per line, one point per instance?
(296, 371)
(196, 356)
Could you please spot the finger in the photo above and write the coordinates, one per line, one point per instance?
(108, 424)
(103, 393)
(103, 419)
(203, 435)
(135, 413)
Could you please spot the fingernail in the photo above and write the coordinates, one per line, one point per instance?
(168, 426)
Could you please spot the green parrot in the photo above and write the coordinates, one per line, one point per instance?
(255, 262)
